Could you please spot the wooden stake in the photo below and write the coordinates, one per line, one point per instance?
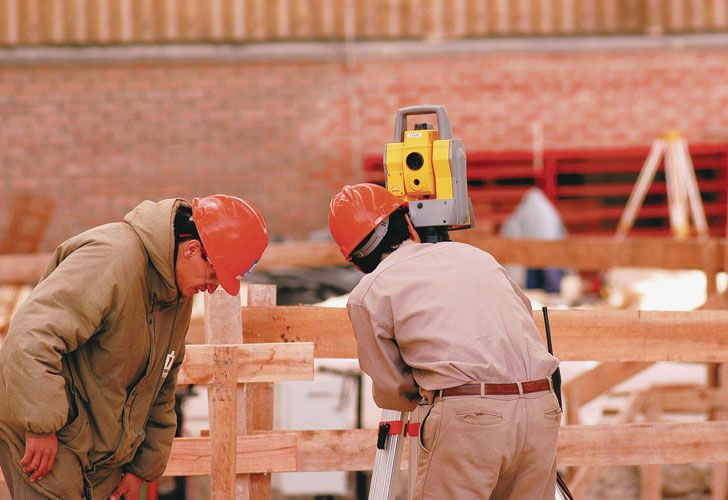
(719, 480)
(223, 325)
(260, 396)
(651, 475)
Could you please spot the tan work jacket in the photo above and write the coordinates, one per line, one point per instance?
(85, 354)
(441, 315)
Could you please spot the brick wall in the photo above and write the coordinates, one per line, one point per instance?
(287, 134)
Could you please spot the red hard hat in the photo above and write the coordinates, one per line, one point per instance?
(234, 235)
(356, 210)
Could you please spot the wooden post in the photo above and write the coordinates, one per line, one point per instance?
(260, 396)
(223, 414)
(223, 324)
(651, 475)
(719, 480)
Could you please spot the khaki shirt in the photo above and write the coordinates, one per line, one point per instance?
(441, 315)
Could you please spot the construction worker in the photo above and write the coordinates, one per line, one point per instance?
(89, 365)
(444, 321)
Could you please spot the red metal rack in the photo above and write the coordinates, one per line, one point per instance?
(590, 187)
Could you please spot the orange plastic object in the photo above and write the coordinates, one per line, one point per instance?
(234, 235)
(356, 210)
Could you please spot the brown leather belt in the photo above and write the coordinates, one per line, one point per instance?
(496, 389)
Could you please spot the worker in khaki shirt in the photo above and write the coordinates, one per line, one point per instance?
(446, 322)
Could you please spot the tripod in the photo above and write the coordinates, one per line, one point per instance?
(683, 194)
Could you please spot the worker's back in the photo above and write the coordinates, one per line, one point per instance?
(455, 316)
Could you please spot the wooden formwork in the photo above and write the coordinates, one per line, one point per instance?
(308, 332)
(606, 336)
(625, 342)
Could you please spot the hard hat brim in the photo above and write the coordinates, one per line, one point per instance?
(230, 284)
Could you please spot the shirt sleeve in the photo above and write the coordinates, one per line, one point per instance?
(517, 289)
(394, 386)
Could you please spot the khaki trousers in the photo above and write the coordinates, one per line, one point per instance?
(66, 483)
(494, 447)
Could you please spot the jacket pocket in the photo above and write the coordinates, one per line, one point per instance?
(76, 435)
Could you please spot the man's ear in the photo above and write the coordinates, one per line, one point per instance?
(190, 248)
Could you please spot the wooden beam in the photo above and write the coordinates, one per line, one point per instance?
(300, 254)
(349, 450)
(651, 475)
(584, 477)
(603, 335)
(255, 454)
(646, 443)
(689, 399)
(328, 328)
(593, 383)
(255, 363)
(594, 253)
(260, 396)
(585, 253)
(226, 399)
(223, 415)
(23, 269)
(623, 444)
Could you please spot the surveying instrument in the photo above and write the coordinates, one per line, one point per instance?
(426, 167)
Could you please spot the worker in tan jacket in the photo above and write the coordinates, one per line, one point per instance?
(445, 321)
(89, 366)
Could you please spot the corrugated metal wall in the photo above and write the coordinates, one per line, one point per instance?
(108, 22)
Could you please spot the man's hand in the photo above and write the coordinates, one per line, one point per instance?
(129, 487)
(40, 454)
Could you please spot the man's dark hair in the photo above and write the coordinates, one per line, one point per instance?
(184, 228)
(397, 232)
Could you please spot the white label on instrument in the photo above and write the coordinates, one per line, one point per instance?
(414, 134)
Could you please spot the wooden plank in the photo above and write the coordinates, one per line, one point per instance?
(719, 477)
(584, 477)
(328, 328)
(622, 444)
(592, 383)
(651, 475)
(23, 269)
(255, 363)
(599, 253)
(301, 254)
(223, 416)
(689, 399)
(223, 325)
(260, 396)
(255, 454)
(586, 253)
(695, 336)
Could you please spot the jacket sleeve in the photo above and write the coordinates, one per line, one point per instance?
(63, 312)
(394, 386)
(151, 458)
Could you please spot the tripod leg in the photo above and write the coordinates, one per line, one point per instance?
(387, 459)
(647, 174)
(676, 191)
(693, 191)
